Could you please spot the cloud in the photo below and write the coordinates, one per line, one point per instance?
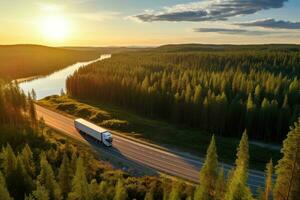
(272, 23)
(209, 10)
(231, 31)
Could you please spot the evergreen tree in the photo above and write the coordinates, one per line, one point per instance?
(94, 190)
(32, 111)
(150, 194)
(80, 186)
(269, 181)
(27, 157)
(208, 174)
(106, 192)
(41, 193)
(175, 192)
(21, 182)
(237, 188)
(120, 191)
(287, 185)
(220, 185)
(9, 160)
(165, 189)
(4, 194)
(64, 176)
(47, 179)
(42, 125)
(73, 162)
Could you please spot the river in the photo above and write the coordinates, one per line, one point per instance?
(53, 84)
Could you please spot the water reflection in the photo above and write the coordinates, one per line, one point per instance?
(55, 82)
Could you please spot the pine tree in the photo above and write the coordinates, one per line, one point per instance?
(23, 183)
(42, 125)
(4, 194)
(94, 190)
(41, 193)
(73, 161)
(220, 185)
(269, 181)
(27, 156)
(237, 188)
(47, 179)
(105, 191)
(165, 189)
(287, 185)
(208, 174)
(64, 176)
(32, 111)
(150, 194)
(121, 192)
(80, 186)
(9, 160)
(175, 192)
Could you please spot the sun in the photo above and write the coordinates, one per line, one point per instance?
(55, 27)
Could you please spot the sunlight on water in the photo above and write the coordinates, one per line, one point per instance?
(53, 83)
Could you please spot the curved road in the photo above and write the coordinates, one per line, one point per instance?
(173, 163)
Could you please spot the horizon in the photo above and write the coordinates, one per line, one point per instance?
(149, 46)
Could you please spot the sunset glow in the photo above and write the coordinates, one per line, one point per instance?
(55, 28)
(149, 23)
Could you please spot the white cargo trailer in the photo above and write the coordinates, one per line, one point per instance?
(96, 132)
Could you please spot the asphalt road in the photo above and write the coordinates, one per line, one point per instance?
(173, 163)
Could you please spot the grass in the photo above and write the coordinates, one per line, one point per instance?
(157, 131)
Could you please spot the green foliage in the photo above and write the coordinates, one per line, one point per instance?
(237, 186)
(150, 194)
(105, 191)
(41, 193)
(80, 187)
(220, 185)
(27, 159)
(287, 185)
(120, 191)
(93, 181)
(64, 175)
(47, 179)
(176, 190)
(4, 194)
(220, 92)
(208, 174)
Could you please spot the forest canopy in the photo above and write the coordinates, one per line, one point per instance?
(220, 92)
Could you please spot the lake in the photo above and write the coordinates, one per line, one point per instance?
(53, 84)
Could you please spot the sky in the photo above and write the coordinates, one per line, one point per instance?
(149, 22)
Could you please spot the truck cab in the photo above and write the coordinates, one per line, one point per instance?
(107, 138)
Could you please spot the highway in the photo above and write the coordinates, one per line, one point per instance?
(177, 164)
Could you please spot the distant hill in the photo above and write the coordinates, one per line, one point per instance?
(213, 47)
(19, 61)
(108, 49)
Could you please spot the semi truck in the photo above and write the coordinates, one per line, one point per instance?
(100, 134)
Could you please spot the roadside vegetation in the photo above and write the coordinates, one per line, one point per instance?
(222, 92)
(156, 131)
(35, 165)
